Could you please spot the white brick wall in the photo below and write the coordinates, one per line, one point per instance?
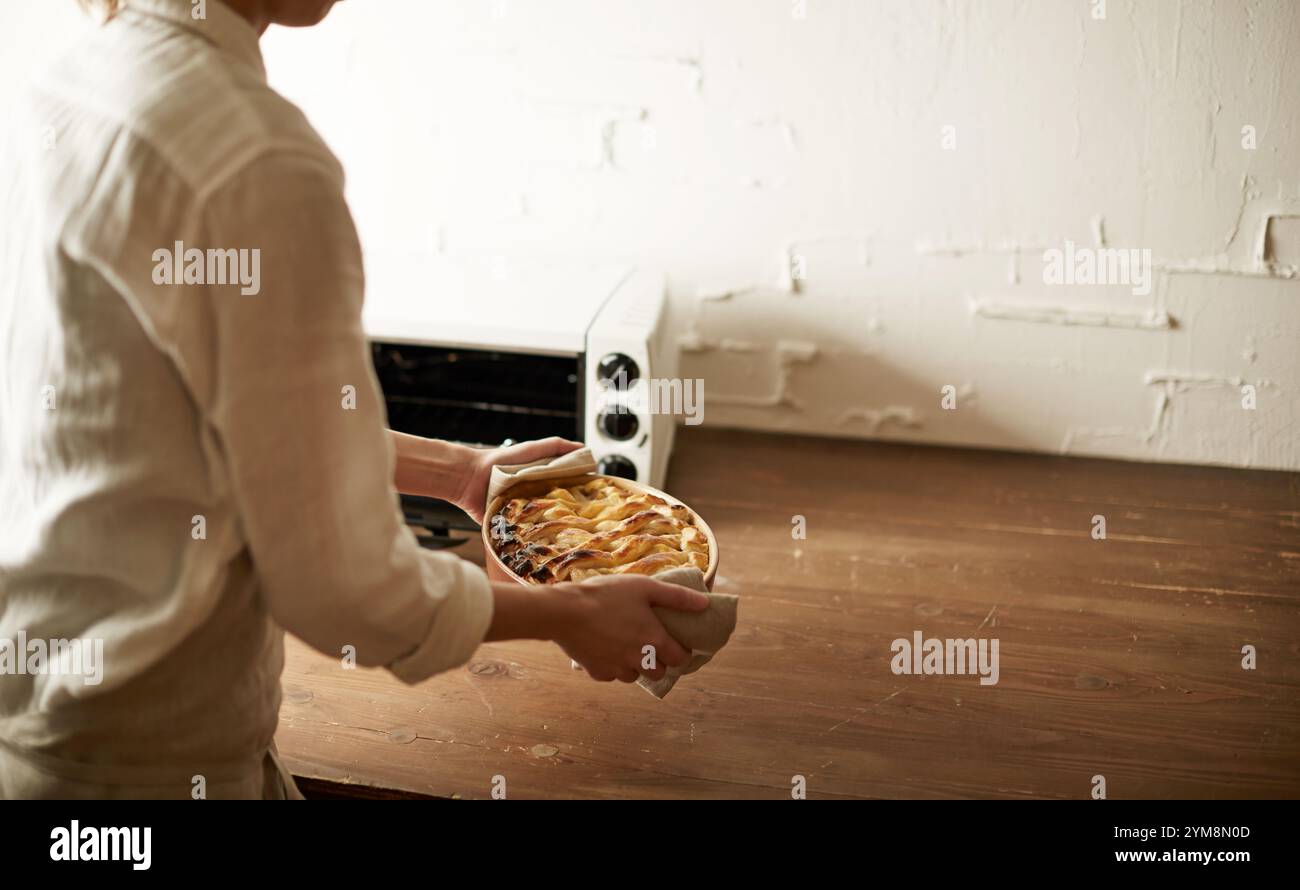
(719, 139)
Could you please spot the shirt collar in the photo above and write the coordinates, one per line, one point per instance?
(222, 27)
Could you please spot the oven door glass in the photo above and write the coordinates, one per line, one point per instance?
(478, 397)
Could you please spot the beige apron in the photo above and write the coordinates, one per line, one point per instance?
(24, 776)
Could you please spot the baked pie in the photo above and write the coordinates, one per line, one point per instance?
(593, 528)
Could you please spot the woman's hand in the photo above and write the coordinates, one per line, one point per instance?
(433, 468)
(603, 623)
(612, 624)
(473, 492)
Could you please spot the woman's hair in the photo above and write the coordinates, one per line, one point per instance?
(101, 9)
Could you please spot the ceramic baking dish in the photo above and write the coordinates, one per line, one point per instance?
(497, 570)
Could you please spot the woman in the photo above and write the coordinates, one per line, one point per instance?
(191, 464)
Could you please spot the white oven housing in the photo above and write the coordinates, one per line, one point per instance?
(501, 317)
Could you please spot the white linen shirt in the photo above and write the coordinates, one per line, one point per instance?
(187, 468)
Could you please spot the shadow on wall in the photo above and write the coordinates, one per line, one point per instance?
(816, 377)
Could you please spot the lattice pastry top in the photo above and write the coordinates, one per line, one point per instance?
(595, 528)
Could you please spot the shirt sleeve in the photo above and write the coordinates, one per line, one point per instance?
(301, 422)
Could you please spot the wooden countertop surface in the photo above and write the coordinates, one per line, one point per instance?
(1119, 657)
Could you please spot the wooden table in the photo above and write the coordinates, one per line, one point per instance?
(1119, 657)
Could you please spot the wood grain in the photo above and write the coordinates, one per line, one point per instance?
(1119, 657)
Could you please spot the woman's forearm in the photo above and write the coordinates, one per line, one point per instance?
(529, 613)
(431, 467)
(459, 474)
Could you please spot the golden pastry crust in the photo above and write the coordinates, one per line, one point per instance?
(595, 528)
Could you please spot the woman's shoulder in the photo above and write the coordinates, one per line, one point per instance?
(182, 103)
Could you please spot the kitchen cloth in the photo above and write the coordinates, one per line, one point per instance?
(575, 463)
(702, 633)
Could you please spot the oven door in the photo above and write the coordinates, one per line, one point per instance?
(478, 397)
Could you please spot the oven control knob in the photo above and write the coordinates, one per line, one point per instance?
(616, 424)
(617, 370)
(617, 465)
